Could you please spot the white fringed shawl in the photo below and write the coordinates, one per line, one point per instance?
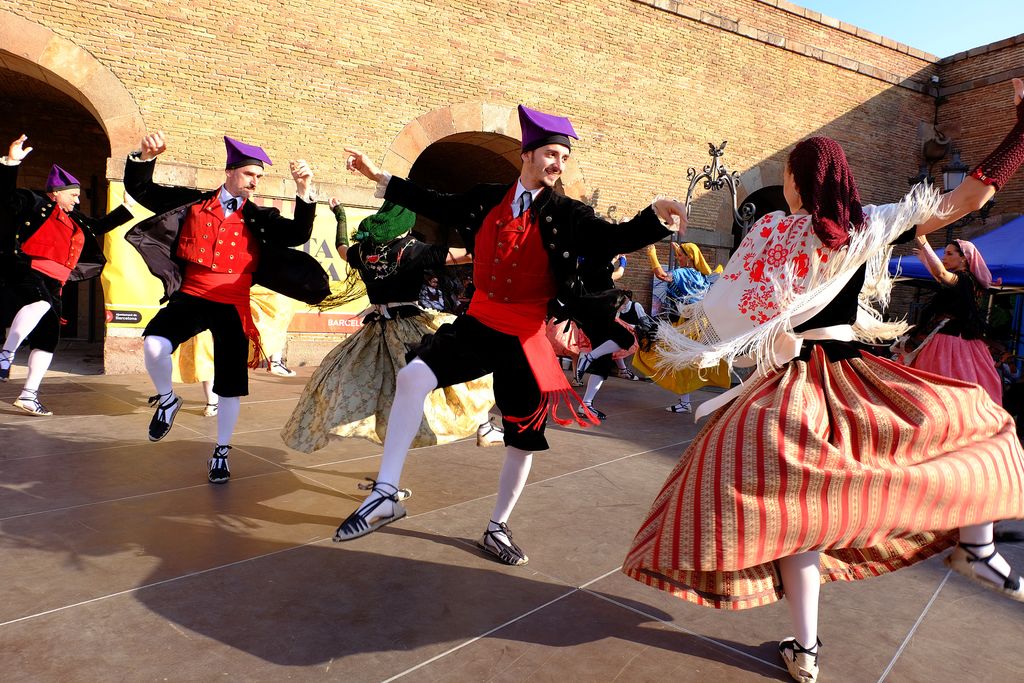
(780, 277)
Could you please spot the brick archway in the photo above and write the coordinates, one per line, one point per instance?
(472, 117)
(34, 50)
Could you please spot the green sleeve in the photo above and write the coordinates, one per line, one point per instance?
(341, 236)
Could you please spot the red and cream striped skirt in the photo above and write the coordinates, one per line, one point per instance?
(873, 463)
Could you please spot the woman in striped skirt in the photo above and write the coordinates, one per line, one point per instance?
(830, 463)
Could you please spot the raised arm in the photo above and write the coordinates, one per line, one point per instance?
(451, 209)
(620, 267)
(341, 237)
(990, 175)
(598, 237)
(138, 178)
(9, 164)
(932, 262)
(652, 257)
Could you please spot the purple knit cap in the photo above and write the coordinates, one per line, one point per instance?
(59, 179)
(241, 154)
(541, 129)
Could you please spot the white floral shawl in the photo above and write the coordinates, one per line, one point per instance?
(781, 276)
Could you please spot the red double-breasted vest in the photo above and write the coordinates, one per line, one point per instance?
(510, 264)
(56, 246)
(224, 245)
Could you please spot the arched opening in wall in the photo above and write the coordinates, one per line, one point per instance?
(60, 131)
(458, 162)
(765, 201)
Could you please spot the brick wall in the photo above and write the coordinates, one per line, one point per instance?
(646, 87)
(977, 93)
(647, 84)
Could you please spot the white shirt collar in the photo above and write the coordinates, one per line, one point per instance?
(224, 196)
(520, 189)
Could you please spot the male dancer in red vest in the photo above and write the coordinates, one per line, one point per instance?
(526, 240)
(209, 248)
(45, 242)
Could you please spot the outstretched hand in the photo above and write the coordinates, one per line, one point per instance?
(672, 213)
(17, 151)
(1018, 91)
(152, 146)
(358, 162)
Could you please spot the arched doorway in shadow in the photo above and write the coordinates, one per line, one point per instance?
(458, 162)
(79, 114)
(765, 201)
(61, 131)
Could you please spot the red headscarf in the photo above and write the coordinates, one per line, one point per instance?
(827, 189)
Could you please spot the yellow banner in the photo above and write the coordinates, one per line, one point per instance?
(132, 294)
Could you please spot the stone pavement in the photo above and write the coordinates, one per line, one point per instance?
(119, 562)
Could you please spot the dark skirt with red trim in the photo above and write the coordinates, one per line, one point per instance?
(872, 463)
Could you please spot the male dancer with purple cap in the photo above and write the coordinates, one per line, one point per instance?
(209, 248)
(526, 239)
(44, 243)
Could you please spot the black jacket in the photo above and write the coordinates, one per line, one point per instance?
(22, 212)
(569, 227)
(293, 273)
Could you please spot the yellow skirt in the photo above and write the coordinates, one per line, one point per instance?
(272, 313)
(192, 361)
(681, 381)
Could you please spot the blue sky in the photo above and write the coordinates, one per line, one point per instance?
(941, 27)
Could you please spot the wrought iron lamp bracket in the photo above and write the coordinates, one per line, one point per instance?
(716, 176)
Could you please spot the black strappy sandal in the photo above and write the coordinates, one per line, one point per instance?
(801, 662)
(220, 472)
(163, 418)
(630, 375)
(32, 405)
(583, 362)
(962, 561)
(8, 358)
(359, 522)
(508, 553)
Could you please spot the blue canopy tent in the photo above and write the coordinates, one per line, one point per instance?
(1003, 249)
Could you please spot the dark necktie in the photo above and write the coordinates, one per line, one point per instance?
(230, 205)
(524, 203)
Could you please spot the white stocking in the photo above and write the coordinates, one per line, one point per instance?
(594, 383)
(38, 363)
(511, 483)
(801, 581)
(415, 381)
(24, 322)
(604, 349)
(980, 537)
(157, 353)
(227, 416)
